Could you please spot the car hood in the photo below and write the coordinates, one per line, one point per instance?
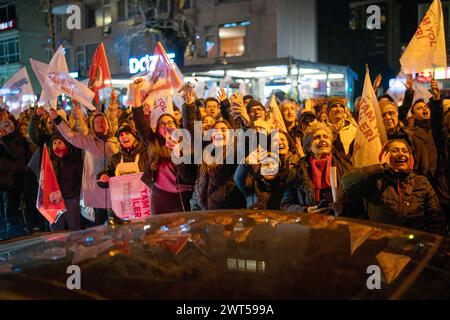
(237, 254)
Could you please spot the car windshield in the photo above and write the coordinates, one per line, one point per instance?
(220, 255)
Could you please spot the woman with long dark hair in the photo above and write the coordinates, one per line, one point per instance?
(171, 183)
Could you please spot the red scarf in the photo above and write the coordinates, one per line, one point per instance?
(320, 173)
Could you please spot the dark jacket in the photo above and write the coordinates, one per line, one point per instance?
(417, 206)
(300, 191)
(441, 138)
(127, 157)
(401, 132)
(259, 192)
(39, 136)
(68, 170)
(425, 151)
(217, 189)
(14, 156)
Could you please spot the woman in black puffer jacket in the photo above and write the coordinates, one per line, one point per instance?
(394, 193)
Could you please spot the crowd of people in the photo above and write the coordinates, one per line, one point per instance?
(408, 188)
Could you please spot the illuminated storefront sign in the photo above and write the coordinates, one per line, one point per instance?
(439, 74)
(11, 24)
(140, 64)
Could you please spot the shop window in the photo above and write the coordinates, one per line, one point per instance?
(210, 46)
(9, 50)
(232, 40)
(98, 14)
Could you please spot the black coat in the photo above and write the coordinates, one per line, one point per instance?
(417, 206)
(217, 189)
(425, 151)
(127, 157)
(259, 192)
(14, 156)
(300, 191)
(441, 135)
(68, 170)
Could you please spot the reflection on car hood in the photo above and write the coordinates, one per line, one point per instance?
(229, 255)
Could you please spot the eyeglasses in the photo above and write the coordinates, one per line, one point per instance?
(169, 123)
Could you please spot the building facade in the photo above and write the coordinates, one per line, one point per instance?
(22, 30)
(262, 45)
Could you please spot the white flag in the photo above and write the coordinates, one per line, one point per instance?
(19, 92)
(40, 70)
(275, 115)
(57, 80)
(159, 102)
(426, 49)
(397, 89)
(370, 134)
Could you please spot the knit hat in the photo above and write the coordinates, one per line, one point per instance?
(254, 103)
(334, 101)
(126, 128)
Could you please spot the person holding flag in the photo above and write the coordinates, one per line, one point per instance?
(99, 145)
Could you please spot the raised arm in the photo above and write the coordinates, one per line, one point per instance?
(359, 182)
(84, 142)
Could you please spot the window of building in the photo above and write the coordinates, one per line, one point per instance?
(7, 12)
(210, 46)
(232, 39)
(9, 50)
(126, 9)
(98, 14)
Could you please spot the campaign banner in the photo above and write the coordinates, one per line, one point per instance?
(130, 197)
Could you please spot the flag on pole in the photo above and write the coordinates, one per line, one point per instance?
(19, 92)
(57, 80)
(99, 73)
(166, 81)
(370, 135)
(275, 115)
(164, 74)
(426, 49)
(49, 200)
(40, 70)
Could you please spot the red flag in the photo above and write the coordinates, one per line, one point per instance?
(99, 74)
(164, 73)
(49, 200)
